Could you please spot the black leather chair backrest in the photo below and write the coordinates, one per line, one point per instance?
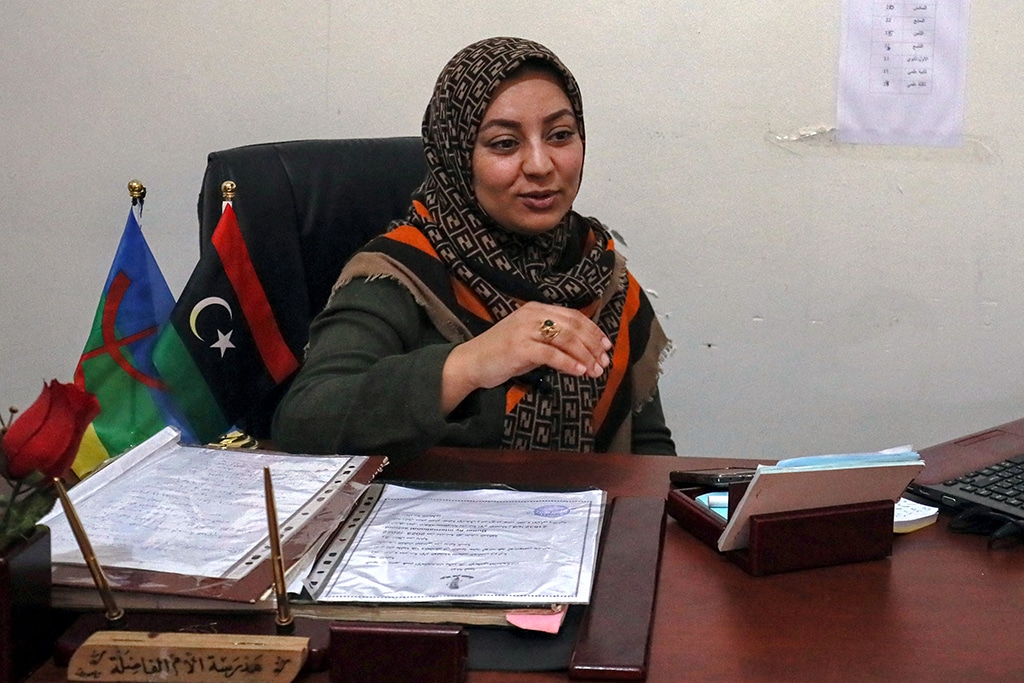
(304, 207)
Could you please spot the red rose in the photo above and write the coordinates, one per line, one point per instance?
(46, 436)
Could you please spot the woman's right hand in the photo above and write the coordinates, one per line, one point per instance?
(521, 342)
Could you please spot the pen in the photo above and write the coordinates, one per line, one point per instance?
(115, 615)
(283, 619)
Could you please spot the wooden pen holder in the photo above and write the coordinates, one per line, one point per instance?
(795, 539)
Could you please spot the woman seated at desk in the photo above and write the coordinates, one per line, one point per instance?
(493, 315)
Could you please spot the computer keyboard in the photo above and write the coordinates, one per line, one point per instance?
(999, 486)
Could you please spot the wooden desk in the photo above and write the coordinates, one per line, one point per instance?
(942, 608)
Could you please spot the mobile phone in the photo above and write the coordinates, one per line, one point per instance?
(719, 477)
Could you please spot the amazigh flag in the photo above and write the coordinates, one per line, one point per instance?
(116, 364)
(223, 350)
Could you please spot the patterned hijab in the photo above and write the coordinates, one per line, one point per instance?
(499, 265)
(493, 271)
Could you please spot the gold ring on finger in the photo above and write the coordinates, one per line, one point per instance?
(549, 330)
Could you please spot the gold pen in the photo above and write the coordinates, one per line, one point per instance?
(115, 615)
(283, 619)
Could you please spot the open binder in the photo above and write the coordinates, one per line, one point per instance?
(610, 633)
(125, 505)
(184, 527)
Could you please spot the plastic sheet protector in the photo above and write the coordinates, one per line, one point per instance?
(187, 510)
(483, 545)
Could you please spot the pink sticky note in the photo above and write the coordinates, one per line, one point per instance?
(530, 620)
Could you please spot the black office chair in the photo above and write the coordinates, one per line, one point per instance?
(304, 207)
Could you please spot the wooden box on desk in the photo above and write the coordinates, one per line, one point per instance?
(792, 540)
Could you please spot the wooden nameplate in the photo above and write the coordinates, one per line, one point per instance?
(115, 656)
(235, 624)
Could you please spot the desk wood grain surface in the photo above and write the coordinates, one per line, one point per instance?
(942, 608)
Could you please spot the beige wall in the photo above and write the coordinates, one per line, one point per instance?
(821, 297)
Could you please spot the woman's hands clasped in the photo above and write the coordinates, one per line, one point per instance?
(535, 335)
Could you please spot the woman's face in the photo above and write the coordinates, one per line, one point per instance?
(528, 155)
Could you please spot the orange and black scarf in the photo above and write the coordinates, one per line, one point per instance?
(468, 272)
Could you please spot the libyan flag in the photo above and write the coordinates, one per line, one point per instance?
(222, 351)
(116, 364)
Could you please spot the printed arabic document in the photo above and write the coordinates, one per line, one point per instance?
(484, 545)
(185, 510)
(902, 72)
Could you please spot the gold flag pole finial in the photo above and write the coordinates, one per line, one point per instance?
(136, 189)
(227, 191)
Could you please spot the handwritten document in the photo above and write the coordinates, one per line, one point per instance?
(902, 72)
(186, 510)
(483, 545)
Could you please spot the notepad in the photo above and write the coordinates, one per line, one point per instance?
(911, 516)
(817, 482)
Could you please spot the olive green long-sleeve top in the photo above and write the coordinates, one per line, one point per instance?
(371, 384)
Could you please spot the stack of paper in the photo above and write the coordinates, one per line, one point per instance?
(820, 481)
